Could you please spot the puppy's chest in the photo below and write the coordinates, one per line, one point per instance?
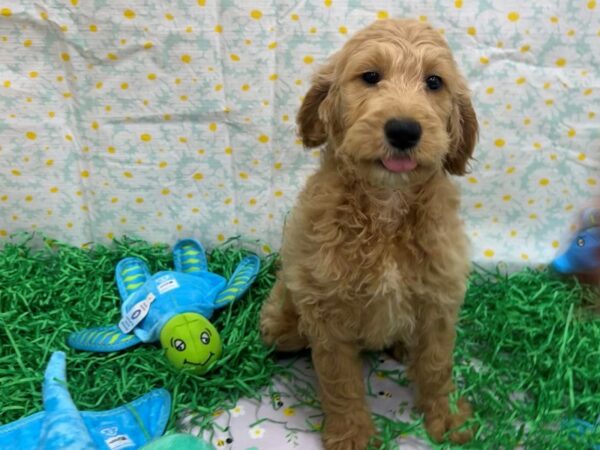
(380, 292)
(392, 267)
(387, 312)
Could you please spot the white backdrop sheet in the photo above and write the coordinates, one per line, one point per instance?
(170, 119)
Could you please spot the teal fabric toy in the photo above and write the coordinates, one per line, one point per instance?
(179, 442)
(581, 427)
(60, 426)
(173, 307)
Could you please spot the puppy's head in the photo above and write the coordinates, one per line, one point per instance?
(392, 106)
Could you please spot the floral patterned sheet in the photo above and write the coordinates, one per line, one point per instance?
(287, 416)
(175, 118)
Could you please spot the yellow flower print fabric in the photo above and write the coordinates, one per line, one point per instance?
(176, 118)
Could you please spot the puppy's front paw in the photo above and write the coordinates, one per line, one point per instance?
(348, 431)
(439, 420)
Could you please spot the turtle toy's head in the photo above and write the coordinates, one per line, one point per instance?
(191, 341)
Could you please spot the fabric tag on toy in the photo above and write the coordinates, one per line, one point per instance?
(166, 284)
(136, 314)
(119, 442)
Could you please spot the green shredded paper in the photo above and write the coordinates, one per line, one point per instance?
(527, 356)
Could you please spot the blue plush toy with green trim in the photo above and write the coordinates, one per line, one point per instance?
(173, 307)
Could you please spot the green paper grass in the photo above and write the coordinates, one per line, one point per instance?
(46, 294)
(528, 347)
(528, 358)
(528, 355)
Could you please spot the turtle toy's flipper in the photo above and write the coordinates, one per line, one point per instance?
(131, 274)
(189, 257)
(244, 275)
(102, 339)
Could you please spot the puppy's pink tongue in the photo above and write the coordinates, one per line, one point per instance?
(399, 164)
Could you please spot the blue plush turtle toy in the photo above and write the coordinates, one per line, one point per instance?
(583, 254)
(173, 307)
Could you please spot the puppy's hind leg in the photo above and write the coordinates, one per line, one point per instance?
(279, 321)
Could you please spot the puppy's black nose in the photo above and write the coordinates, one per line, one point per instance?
(402, 133)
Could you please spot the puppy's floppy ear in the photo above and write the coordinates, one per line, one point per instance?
(311, 126)
(463, 129)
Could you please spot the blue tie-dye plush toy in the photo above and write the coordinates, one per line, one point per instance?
(61, 426)
(582, 257)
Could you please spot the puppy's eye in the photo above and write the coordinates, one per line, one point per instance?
(434, 82)
(371, 77)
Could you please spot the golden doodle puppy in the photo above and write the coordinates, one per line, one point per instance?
(374, 254)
